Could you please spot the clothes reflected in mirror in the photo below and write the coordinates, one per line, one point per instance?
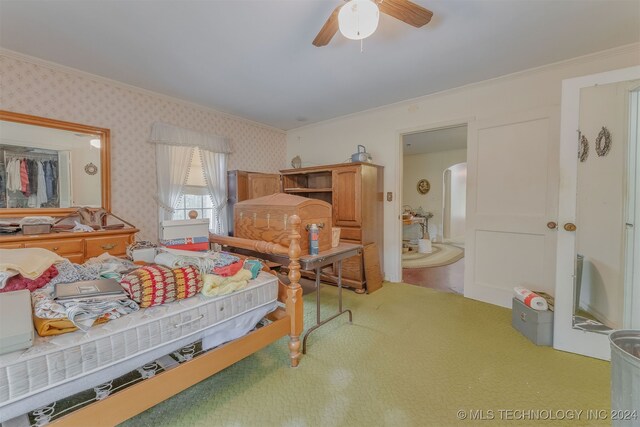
(29, 180)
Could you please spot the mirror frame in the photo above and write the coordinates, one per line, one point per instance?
(105, 161)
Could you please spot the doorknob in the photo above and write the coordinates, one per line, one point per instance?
(552, 225)
(570, 226)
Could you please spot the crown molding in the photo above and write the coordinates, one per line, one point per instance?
(100, 79)
(603, 54)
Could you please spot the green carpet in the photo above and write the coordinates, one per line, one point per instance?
(412, 357)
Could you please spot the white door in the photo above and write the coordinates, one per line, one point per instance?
(566, 336)
(512, 192)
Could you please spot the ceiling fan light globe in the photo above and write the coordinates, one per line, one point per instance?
(358, 19)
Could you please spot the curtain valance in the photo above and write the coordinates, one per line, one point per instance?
(164, 133)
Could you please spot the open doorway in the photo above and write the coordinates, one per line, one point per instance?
(434, 205)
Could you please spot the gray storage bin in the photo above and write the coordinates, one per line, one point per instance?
(533, 324)
(625, 378)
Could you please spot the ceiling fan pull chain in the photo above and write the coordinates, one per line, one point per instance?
(361, 45)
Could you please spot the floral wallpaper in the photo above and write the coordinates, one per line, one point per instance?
(31, 87)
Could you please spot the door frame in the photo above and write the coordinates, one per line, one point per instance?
(396, 275)
(632, 264)
(567, 338)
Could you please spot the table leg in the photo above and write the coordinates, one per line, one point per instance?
(340, 311)
(318, 272)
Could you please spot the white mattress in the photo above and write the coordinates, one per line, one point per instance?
(125, 343)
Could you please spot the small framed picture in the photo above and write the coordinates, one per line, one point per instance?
(423, 186)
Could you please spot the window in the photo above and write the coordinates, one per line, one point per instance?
(195, 196)
(196, 199)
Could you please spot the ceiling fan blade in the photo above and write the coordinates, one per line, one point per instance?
(406, 11)
(328, 30)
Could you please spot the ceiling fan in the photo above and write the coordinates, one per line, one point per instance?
(358, 19)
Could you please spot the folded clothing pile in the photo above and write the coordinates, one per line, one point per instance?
(52, 317)
(215, 285)
(17, 282)
(27, 268)
(220, 263)
(187, 243)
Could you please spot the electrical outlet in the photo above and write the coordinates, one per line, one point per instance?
(389, 196)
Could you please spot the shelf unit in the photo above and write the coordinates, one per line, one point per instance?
(355, 193)
(309, 182)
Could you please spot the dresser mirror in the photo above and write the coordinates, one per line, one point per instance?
(50, 167)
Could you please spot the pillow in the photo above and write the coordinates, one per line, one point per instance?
(156, 284)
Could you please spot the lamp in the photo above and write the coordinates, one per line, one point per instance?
(358, 19)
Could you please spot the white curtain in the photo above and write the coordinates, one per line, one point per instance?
(172, 171)
(215, 173)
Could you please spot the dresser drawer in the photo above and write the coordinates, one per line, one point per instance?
(12, 245)
(115, 245)
(75, 258)
(61, 247)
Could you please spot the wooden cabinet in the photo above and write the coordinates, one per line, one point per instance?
(347, 200)
(355, 191)
(243, 185)
(76, 247)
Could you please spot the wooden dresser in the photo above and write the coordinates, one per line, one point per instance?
(243, 185)
(355, 191)
(76, 247)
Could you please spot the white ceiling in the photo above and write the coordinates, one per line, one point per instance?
(254, 58)
(453, 138)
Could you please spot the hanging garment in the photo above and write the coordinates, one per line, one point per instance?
(24, 178)
(32, 170)
(54, 169)
(10, 175)
(41, 193)
(13, 175)
(48, 177)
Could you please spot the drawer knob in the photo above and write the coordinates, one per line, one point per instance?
(109, 246)
(56, 248)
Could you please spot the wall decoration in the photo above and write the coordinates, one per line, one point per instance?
(603, 142)
(583, 147)
(91, 169)
(423, 186)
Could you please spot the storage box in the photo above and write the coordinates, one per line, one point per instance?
(16, 325)
(183, 228)
(267, 218)
(30, 229)
(533, 324)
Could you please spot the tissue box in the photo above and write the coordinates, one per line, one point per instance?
(533, 324)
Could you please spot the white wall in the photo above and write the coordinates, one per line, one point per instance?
(380, 129)
(601, 202)
(455, 212)
(430, 166)
(85, 188)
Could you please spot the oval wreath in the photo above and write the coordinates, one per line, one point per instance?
(603, 149)
(91, 169)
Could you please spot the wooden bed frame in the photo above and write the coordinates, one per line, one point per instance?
(288, 321)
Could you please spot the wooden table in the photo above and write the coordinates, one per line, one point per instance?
(316, 263)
